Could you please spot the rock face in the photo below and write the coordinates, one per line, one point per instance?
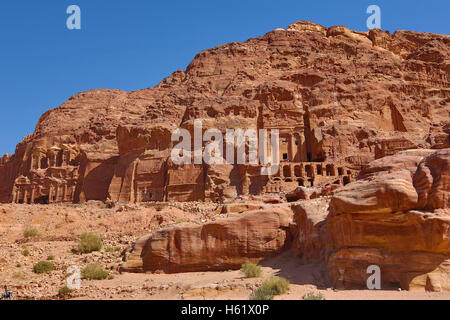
(340, 99)
(220, 245)
(397, 217)
(309, 230)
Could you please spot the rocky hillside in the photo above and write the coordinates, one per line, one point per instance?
(339, 98)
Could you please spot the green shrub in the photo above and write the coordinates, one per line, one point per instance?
(94, 271)
(313, 296)
(51, 257)
(270, 288)
(277, 284)
(26, 252)
(251, 270)
(89, 242)
(30, 233)
(262, 293)
(43, 267)
(64, 291)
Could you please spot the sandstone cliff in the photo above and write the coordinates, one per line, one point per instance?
(340, 99)
(396, 216)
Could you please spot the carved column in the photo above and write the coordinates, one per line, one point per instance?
(64, 193)
(291, 148)
(72, 195)
(50, 194)
(33, 194)
(25, 195)
(14, 200)
(56, 193)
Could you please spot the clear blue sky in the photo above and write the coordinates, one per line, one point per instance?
(134, 44)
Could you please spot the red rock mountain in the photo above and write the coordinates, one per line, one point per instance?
(340, 99)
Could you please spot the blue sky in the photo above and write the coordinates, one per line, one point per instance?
(134, 44)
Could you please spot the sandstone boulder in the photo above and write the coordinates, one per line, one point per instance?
(432, 181)
(220, 245)
(309, 230)
(394, 221)
(390, 192)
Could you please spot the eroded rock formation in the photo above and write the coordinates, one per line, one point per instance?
(220, 245)
(340, 99)
(396, 216)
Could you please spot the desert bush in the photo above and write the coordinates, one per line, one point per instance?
(51, 257)
(270, 288)
(251, 270)
(313, 296)
(43, 267)
(26, 252)
(113, 249)
(64, 291)
(277, 284)
(262, 293)
(30, 233)
(94, 271)
(89, 242)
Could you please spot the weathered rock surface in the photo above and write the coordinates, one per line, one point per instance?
(432, 181)
(396, 218)
(340, 99)
(220, 245)
(309, 230)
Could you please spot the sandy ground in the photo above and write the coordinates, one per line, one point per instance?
(59, 227)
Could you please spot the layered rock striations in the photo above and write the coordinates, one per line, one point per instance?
(220, 245)
(395, 216)
(339, 98)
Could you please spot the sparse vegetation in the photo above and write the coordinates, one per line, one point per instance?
(51, 257)
(270, 288)
(251, 270)
(26, 253)
(262, 293)
(313, 296)
(18, 265)
(43, 267)
(89, 242)
(113, 249)
(30, 233)
(64, 291)
(94, 271)
(278, 284)
(182, 220)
